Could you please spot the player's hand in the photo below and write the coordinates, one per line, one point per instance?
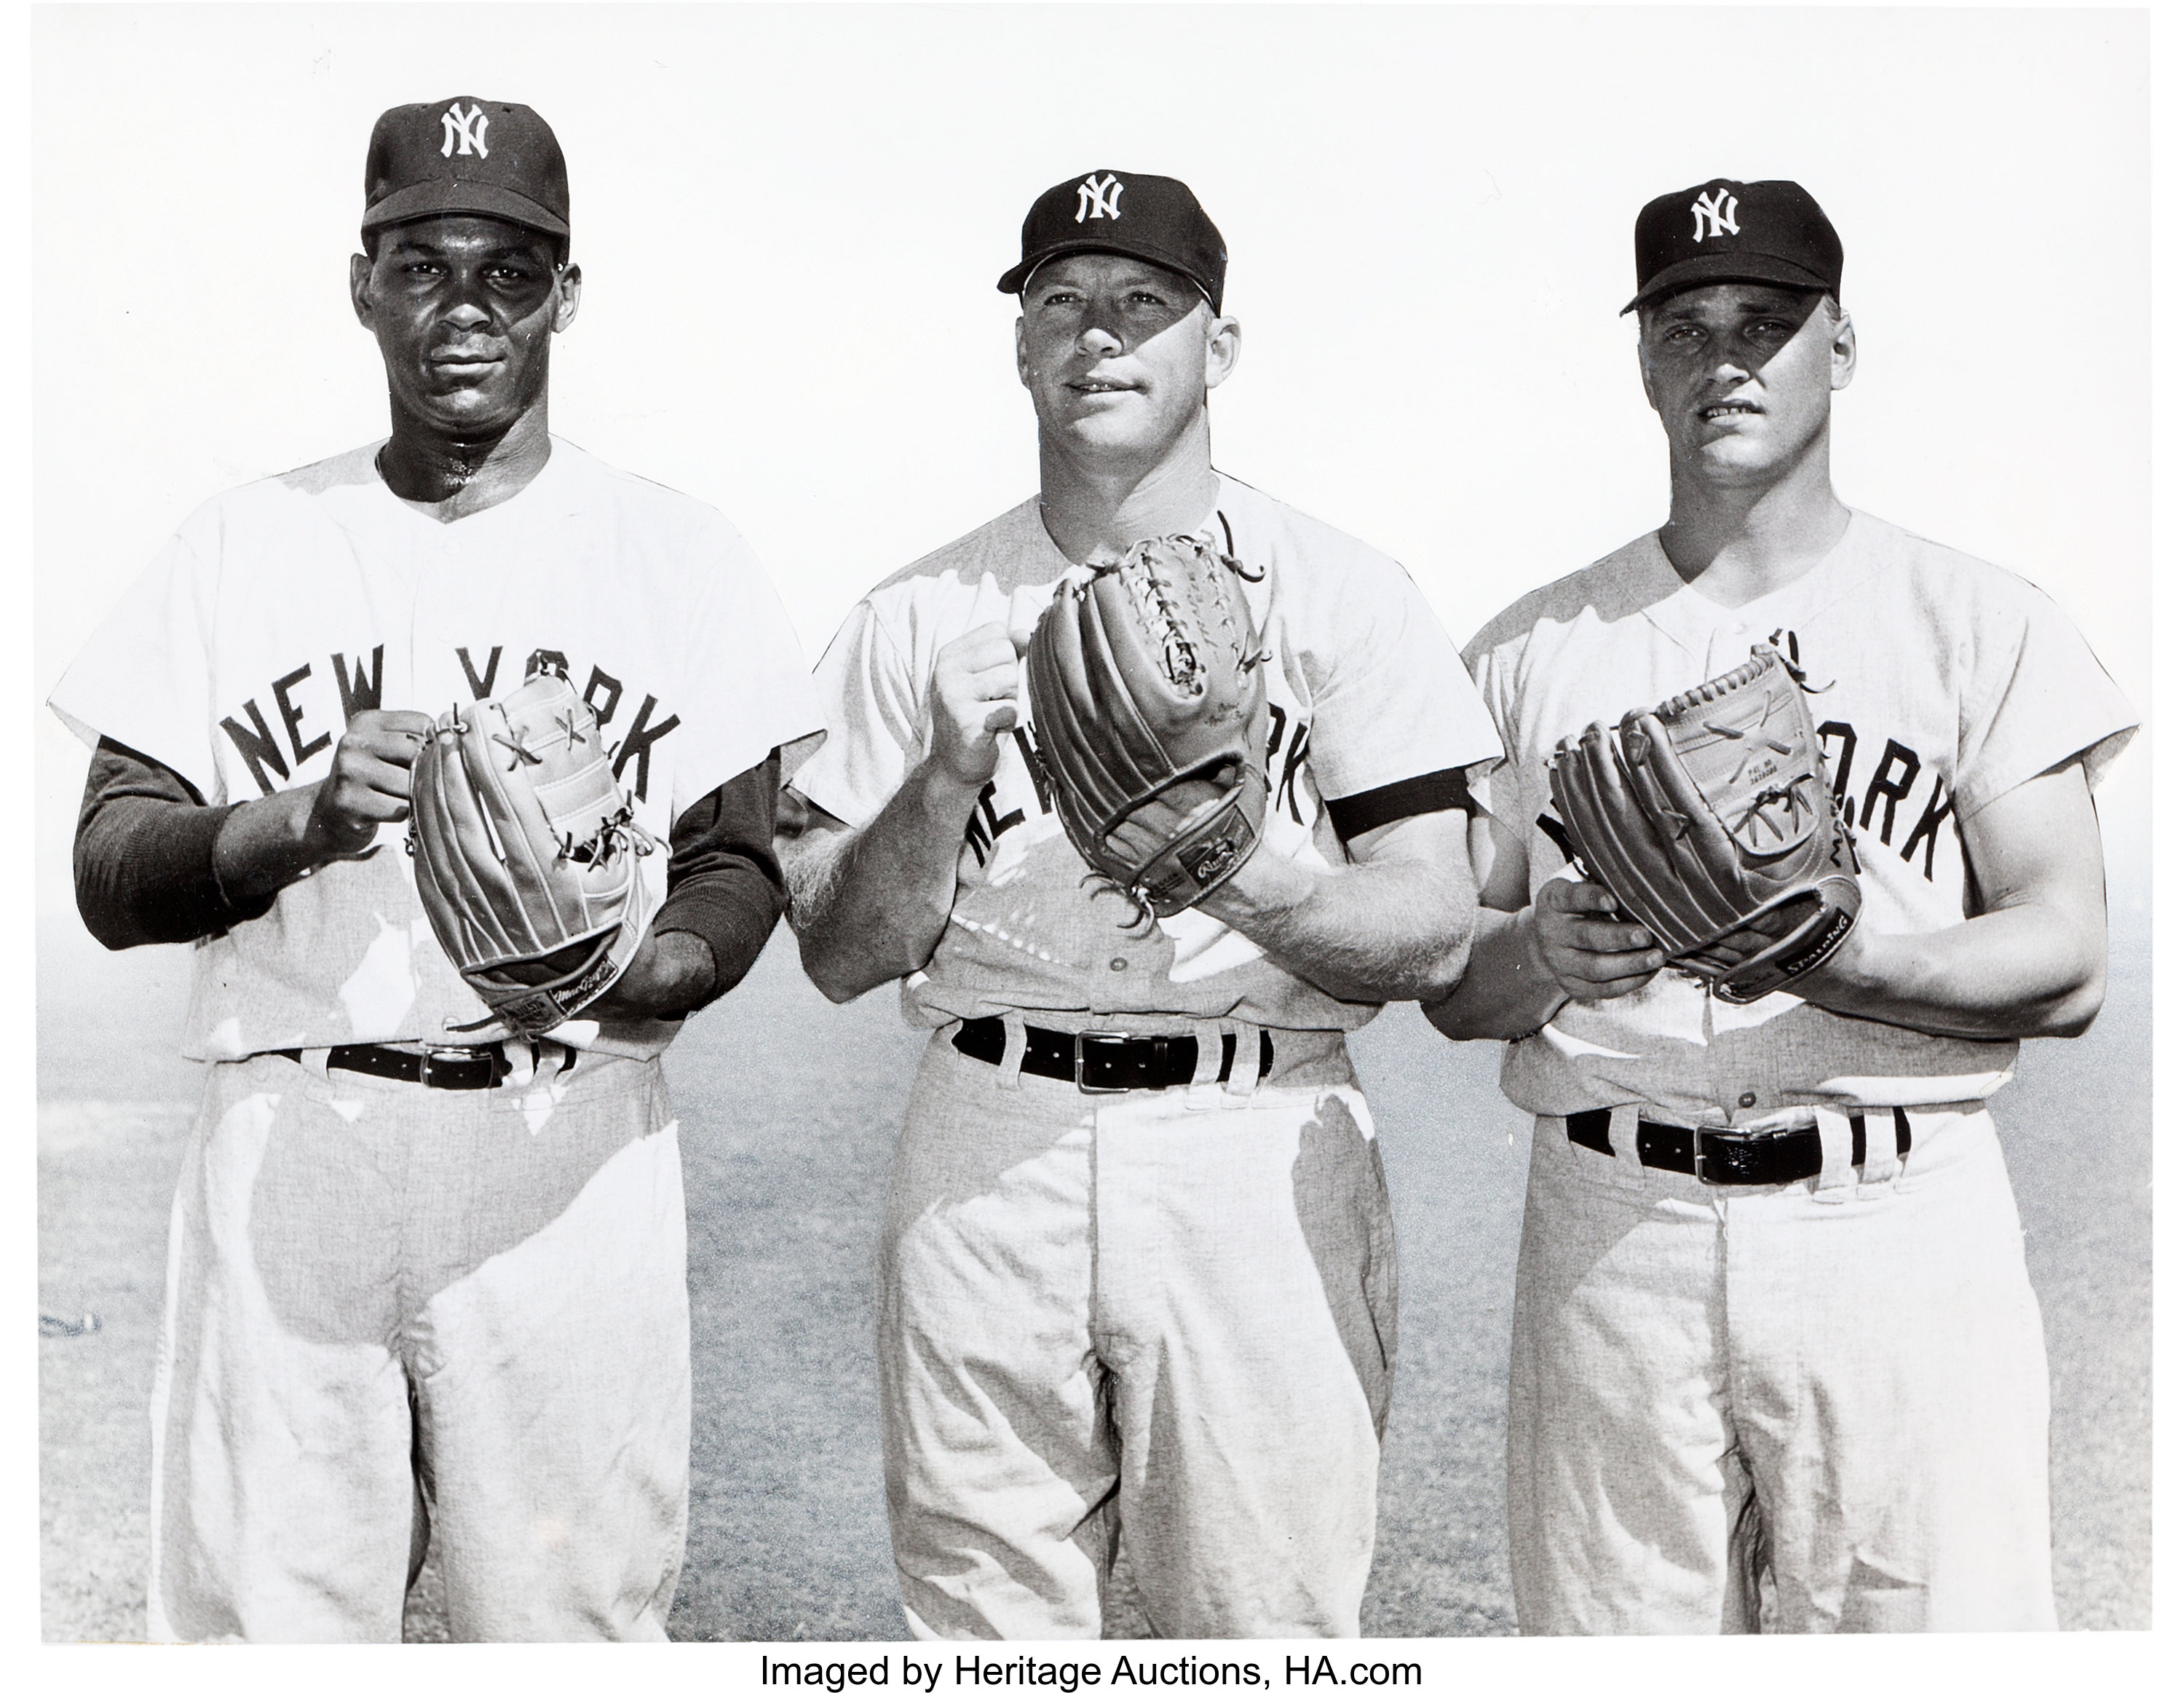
(1154, 825)
(369, 783)
(1591, 951)
(667, 976)
(972, 703)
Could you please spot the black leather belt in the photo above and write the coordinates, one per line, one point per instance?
(457, 1067)
(1768, 1160)
(1104, 1064)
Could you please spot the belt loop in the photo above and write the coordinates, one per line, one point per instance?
(1012, 1051)
(314, 1060)
(1206, 1092)
(1883, 1163)
(523, 1060)
(1838, 1176)
(1244, 1070)
(1623, 1136)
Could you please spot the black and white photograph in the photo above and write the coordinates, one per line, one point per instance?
(1305, 829)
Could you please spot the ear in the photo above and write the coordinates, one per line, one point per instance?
(1842, 355)
(1023, 356)
(570, 293)
(360, 287)
(1225, 345)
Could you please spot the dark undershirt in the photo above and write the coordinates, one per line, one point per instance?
(144, 871)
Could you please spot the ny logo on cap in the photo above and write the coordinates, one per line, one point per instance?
(1713, 214)
(1096, 198)
(469, 130)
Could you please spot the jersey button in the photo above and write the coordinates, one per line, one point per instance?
(1118, 964)
(1748, 1100)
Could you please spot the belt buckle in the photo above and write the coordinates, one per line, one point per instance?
(1077, 1055)
(458, 1061)
(1740, 1169)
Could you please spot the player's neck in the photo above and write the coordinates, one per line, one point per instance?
(450, 478)
(1735, 545)
(1095, 507)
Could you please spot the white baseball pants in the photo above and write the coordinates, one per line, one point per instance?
(393, 1310)
(1165, 1319)
(1814, 1408)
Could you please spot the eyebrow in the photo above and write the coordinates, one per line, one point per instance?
(1783, 304)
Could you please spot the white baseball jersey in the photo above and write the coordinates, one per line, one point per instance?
(1944, 683)
(282, 608)
(1367, 693)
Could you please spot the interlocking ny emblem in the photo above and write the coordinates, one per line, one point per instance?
(1713, 214)
(1099, 198)
(469, 131)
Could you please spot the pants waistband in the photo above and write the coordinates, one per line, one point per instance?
(1771, 1159)
(1104, 1064)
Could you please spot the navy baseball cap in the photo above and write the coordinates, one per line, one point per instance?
(1731, 231)
(484, 156)
(1154, 218)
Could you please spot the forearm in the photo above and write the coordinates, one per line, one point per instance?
(1507, 992)
(145, 856)
(266, 844)
(869, 907)
(144, 875)
(2026, 970)
(725, 893)
(1370, 932)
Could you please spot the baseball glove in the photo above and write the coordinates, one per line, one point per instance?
(1150, 710)
(527, 853)
(1713, 821)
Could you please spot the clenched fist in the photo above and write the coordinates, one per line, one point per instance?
(971, 702)
(369, 783)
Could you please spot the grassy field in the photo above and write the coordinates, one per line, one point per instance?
(789, 1110)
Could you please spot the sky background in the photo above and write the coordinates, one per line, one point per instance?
(790, 221)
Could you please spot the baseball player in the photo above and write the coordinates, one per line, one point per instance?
(1776, 1362)
(425, 1283)
(1136, 1282)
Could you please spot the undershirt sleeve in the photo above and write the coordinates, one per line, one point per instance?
(724, 884)
(144, 839)
(1356, 814)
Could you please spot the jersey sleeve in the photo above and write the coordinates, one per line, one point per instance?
(1493, 787)
(1394, 700)
(144, 678)
(2037, 696)
(744, 673)
(870, 701)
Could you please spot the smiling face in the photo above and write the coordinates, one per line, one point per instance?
(465, 310)
(1741, 374)
(1118, 353)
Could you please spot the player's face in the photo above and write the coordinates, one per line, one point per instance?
(1741, 375)
(1118, 353)
(465, 310)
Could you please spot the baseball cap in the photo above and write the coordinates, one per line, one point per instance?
(1154, 218)
(1730, 232)
(485, 157)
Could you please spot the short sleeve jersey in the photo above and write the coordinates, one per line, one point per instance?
(1942, 683)
(1366, 692)
(281, 609)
